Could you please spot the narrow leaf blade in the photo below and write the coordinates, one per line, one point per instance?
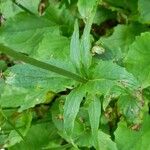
(75, 47)
(94, 111)
(86, 42)
(71, 108)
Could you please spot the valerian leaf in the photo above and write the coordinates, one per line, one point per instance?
(130, 107)
(71, 108)
(38, 137)
(105, 142)
(20, 126)
(24, 32)
(75, 52)
(138, 140)
(17, 97)
(86, 43)
(117, 44)
(81, 49)
(111, 80)
(28, 86)
(94, 111)
(106, 75)
(85, 7)
(137, 60)
(27, 76)
(60, 15)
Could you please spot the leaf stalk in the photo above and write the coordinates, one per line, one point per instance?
(40, 64)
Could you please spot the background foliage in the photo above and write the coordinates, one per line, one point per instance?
(104, 46)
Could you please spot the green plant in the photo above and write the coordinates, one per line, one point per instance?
(78, 75)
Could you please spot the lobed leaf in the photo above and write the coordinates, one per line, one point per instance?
(106, 75)
(138, 140)
(24, 32)
(137, 60)
(130, 107)
(27, 76)
(117, 44)
(105, 142)
(28, 86)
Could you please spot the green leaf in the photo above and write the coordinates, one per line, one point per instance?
(86, 43)
(85, 46)
(118, 43)
(75, 52)
(127, 138)
(54, 146)
(57, 111)
(130, 107)
(22, 124)
(40, 64)
(85, 7)
(30, 5)
(2, 84)
(126, 5)
(71, 108)
(137, 60)
(80, 135)
(24, 32)
(29, 86)
(94, 111)
(67, 114)
(38, 137)
(8, 8)
(80, 49)
(103, 14)
(54, 48)
(13, 97)
(146, 93)
(106, 75)
(105, 142)
(62, 16)
(3, 65)
(27, 76)
(111, 80)
(85, 139)
(143, 7)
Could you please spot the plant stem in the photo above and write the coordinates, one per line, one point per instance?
(40, 64)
